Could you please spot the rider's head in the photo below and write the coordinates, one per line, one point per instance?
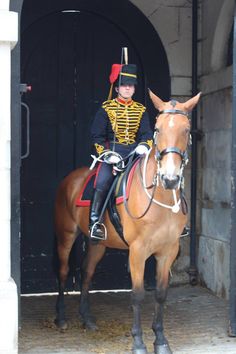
(125, 91)
(124, 79)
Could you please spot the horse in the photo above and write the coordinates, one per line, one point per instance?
(152, 221)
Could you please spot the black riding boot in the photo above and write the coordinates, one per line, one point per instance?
(97, 230)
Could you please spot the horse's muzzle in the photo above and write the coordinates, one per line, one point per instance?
(170, 182)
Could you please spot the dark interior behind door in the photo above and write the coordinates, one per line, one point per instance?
(66, 58)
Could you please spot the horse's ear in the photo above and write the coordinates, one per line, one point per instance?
(191, 103)
(158, 103)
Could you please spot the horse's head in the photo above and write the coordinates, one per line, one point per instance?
(172, 138)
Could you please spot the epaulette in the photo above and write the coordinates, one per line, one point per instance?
(108, 102)
(139, 105)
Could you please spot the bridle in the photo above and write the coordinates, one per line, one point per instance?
(160, 154)
(158, 157)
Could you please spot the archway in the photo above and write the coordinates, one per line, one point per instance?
(221, 36)
(67, 48)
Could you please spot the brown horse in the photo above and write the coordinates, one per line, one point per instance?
(156, 233)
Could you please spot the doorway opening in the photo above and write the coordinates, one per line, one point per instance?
(66, 56)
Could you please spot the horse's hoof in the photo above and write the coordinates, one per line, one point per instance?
(61, 324)
(140, 350)
(162, 349)
(90, 325)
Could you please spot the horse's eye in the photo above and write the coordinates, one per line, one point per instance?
(156, 132)
(187, 130)
(190, 139)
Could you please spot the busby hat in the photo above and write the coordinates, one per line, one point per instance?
(128, 74)
(125, 74)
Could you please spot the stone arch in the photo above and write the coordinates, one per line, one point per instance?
(139, 30)
(145, 37)
(221, 36)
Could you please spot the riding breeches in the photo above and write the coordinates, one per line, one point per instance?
(105, 176)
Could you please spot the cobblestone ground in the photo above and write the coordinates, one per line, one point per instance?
(195, 322)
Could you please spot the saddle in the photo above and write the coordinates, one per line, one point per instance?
(116, 196)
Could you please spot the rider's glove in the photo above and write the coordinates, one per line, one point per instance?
(112, 158)
(141, 150)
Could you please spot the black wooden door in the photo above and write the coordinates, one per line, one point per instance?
(66, 58)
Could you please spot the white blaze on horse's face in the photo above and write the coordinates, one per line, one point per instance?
(171, 122)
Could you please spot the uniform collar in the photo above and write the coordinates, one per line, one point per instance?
(126, 103)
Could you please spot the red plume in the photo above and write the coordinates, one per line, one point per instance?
(115, 70)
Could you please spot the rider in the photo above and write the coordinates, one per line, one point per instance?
(121, 125)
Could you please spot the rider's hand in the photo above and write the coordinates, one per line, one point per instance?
(141, 150)
(112, 158)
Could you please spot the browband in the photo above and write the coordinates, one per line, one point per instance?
(174, 111)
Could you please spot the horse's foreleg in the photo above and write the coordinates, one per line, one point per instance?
(95, 254)
(161, 345)
(63, 248)
(137, 264)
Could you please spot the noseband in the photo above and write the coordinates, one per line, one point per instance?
(183, 154)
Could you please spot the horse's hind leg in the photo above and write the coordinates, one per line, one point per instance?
(161, 345)
(64, 245)
(95, 254)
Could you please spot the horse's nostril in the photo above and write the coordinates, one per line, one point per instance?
(170, 178)
(170, 182)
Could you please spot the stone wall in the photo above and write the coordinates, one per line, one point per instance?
(216, 191)
(216, 122)
(173, 22)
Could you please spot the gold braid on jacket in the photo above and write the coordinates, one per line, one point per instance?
(125, 119)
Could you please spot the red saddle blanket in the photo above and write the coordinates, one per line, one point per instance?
(86, 193)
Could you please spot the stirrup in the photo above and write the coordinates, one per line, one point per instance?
(92, 236)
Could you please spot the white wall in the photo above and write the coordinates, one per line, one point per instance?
(8, 291)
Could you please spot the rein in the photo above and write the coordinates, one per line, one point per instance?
(126, 199)
(174, 208)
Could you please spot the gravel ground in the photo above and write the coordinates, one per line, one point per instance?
(195, 322)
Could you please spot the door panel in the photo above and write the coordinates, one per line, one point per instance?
(66, 57)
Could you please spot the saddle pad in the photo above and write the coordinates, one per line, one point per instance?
(86, 193)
